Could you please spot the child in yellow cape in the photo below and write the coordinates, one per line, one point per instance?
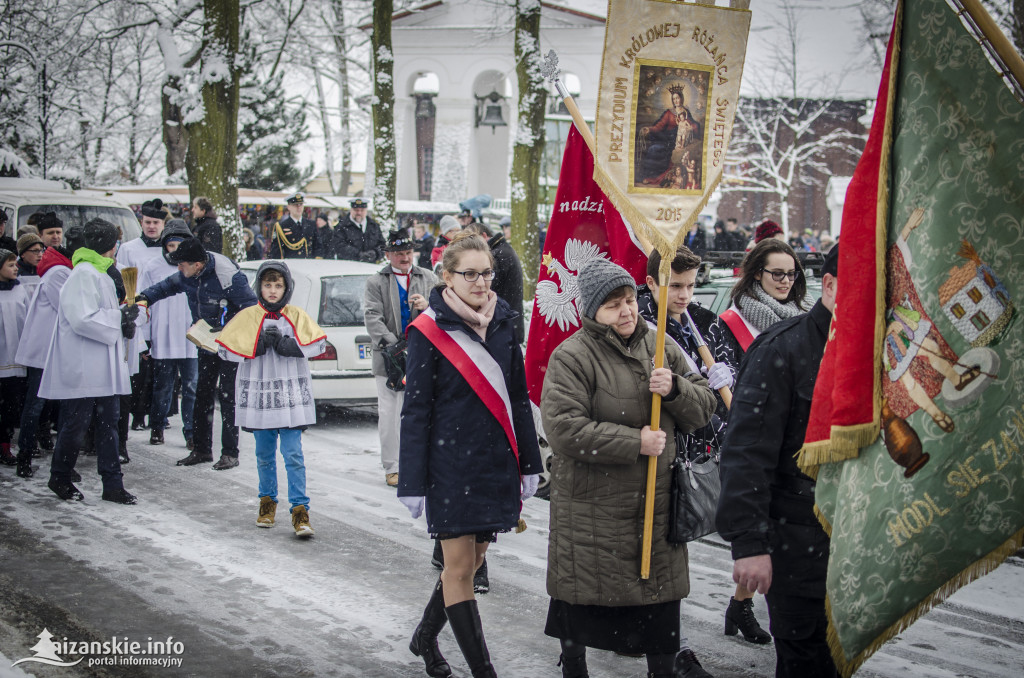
(273, 341)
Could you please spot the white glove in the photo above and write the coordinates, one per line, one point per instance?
(414, 504)
(530, 484)
(719, 376)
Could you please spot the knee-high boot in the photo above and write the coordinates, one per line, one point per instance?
(465, 621)
(424, 638)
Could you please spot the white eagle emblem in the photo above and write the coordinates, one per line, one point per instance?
(559, 307)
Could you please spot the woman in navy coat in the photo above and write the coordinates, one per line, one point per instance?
(468, 450)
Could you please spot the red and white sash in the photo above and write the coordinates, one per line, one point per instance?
(476, 366)
(744, 332)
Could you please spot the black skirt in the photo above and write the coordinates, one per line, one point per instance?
(634, 629)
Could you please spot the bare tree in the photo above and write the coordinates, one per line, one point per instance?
(782, 141)
(528, 149)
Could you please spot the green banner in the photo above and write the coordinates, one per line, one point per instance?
(938, 500)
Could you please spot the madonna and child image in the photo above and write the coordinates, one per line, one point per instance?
(671, 108)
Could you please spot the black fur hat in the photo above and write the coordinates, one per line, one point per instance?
(100, 235)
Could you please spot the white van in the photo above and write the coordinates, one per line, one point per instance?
(21, 198)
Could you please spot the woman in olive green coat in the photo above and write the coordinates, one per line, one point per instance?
(596, 409)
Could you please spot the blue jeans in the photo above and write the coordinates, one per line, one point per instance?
(163, 389)
(266, 463)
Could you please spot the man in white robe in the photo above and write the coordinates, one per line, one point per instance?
(85, 365)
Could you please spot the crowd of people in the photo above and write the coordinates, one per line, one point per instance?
(101, 336)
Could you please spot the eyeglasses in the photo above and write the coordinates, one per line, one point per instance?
(472, 276)
(34, 250)
(777, 276)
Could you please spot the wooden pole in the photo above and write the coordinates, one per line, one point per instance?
(705, 355)
(1001, 45)
(588, 136)
(664, 273)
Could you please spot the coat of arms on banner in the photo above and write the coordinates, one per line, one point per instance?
(556, 302)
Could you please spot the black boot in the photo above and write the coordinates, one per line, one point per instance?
(740, 616)
(687, 666)
(481, 584)
(465, 620)
(122, 454)
(437, 560)
(156, 437)
(424, 638)
(661, 666)
(25, 469)
(195, 458)
(65, 490)
(573, 660)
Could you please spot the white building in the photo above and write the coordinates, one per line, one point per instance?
(455, 68)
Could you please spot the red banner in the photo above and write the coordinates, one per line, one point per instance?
(584, 225)
(845, 409)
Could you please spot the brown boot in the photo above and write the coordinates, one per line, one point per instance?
(268, 509)
(300, 521)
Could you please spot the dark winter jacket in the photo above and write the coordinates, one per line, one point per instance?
(596, 399)
(710, 330)
(215, 295)
(352, 244)
(324, 243)
(508, 281)
(767, 504)
(453, 451)
(424, 248)
(301, 236)
(208, 231)
(25, 269)
(697, 242)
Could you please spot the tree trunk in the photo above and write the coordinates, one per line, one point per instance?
(211, 159)
(1017, 25)
(384, 164)
(341, 51)
(325, 125)
(175, 135)
(529, 142)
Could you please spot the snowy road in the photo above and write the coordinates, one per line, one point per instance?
(188, 562)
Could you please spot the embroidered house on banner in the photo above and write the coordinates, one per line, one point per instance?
(975, 300)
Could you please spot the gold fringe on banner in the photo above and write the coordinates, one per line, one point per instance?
(637, 219)
(977, 569)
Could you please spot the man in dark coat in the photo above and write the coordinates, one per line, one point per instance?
(6, 241)
(205, 225)
(324, 237)
(216, 290)
(424, 244)
(696, 240)
(357, 236)
(508, 281)
(294, 235)
(766, 508)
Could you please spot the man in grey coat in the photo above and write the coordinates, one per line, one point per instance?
(393, 299)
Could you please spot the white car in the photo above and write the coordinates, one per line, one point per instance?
(21, 198)
(332, 293)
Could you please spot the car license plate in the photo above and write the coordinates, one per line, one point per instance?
(365, 351)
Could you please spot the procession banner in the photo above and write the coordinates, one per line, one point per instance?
(931, 263)
(583, 225)
(670, 83)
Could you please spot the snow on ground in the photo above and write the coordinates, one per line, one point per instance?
(188, 561)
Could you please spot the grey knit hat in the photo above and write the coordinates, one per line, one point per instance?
(596, 280)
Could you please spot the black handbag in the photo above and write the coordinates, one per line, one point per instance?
(394, 362)
(696, 485)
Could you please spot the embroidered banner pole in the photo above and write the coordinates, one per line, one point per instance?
(670, 83)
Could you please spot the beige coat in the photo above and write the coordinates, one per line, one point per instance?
(383, 313)
(596, 399)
